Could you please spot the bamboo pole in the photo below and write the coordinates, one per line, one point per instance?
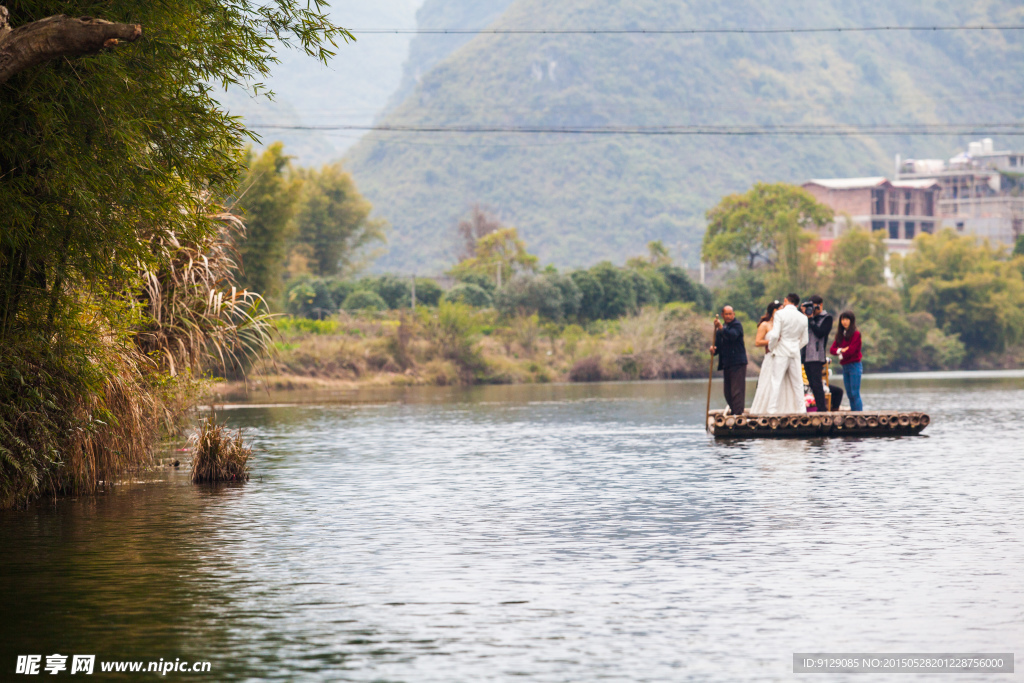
(711, 371)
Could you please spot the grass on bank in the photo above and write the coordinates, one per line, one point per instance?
(455, 344)
(218, 455)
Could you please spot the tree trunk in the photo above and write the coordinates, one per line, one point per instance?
(54, 37)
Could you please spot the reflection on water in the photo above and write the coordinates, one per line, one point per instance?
(547, 533)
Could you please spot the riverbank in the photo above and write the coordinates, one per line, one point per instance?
(457, 346)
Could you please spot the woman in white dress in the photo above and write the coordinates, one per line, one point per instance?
(763, 394)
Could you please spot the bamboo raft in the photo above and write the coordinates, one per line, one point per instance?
(804, 425)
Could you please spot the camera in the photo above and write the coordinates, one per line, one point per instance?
(808, 308)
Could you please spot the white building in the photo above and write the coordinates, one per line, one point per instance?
(981, 190)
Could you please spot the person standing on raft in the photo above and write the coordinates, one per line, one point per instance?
(789, 334)
(732, 359)
(848, 347)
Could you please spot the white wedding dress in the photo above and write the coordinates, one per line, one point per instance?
(782, 376)
(765, 388)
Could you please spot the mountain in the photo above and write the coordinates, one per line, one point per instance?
(577, 199)
(353, 88)
(428, 49)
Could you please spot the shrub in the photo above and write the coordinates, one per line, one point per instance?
(526, 295)
(572, 297)
(526, 331)
(339, 289)
(428, 292)
(619, 293)
(587, 370)
(396, 291)
(591, 295)
(362, 300)
(646, 295)
(470, 294)
(217, 455)
(571, 336)
(453, 332)
(483, 282)
(310, 298)
(682, 288)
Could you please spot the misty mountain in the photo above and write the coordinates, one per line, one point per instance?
(577, 199)
(352, 89)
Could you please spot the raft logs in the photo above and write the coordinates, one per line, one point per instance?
(817, 424)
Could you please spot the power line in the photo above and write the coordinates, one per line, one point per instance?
(673, 31)
(841, 130)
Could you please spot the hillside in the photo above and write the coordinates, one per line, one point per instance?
(578, 199)
(428, 49)
(354, 87)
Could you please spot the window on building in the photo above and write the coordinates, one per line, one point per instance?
(929, 204)
(1013, 161)
(908, 203)
(928, 227)
(960, 226)
(908, 230)
(877, 225)
(894, 230)
(878, 202)
(894, 203)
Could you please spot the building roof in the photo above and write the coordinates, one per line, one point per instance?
(915, 184)
(863, 183)
(848, 183)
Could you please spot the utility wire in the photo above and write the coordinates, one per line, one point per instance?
(1011, 129)
(672, 31)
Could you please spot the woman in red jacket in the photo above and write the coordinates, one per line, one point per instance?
(847, 347)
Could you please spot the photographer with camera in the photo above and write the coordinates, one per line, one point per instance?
(815, 354)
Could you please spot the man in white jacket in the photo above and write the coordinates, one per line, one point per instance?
(788, 336)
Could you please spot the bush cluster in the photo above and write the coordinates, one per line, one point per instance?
(317, 298)
(603, 292)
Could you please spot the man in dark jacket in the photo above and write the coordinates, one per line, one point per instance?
(819, 326)
(732, 359)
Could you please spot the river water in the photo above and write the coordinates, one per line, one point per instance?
(543, 533)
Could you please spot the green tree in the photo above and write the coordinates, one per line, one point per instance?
(972, 290)
(500, 249)
(268, 197)
(470, 294)
(428, 292)
(619, 294)
(363, 299)
(591, 294)
(101, 153)
(526, 295)
(682, 288)
(333, 221)
(108, 160)
(745, 291)
(395, 290)
(766, 224)
(857, 260)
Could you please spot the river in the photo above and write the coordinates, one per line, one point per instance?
(542, 533)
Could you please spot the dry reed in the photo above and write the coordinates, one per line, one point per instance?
(195, 312)
(217, 455)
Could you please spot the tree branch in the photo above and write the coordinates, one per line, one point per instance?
(54, 37)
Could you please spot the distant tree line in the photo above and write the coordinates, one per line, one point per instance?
(603, 292)
(300, 222)
(952, 301)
